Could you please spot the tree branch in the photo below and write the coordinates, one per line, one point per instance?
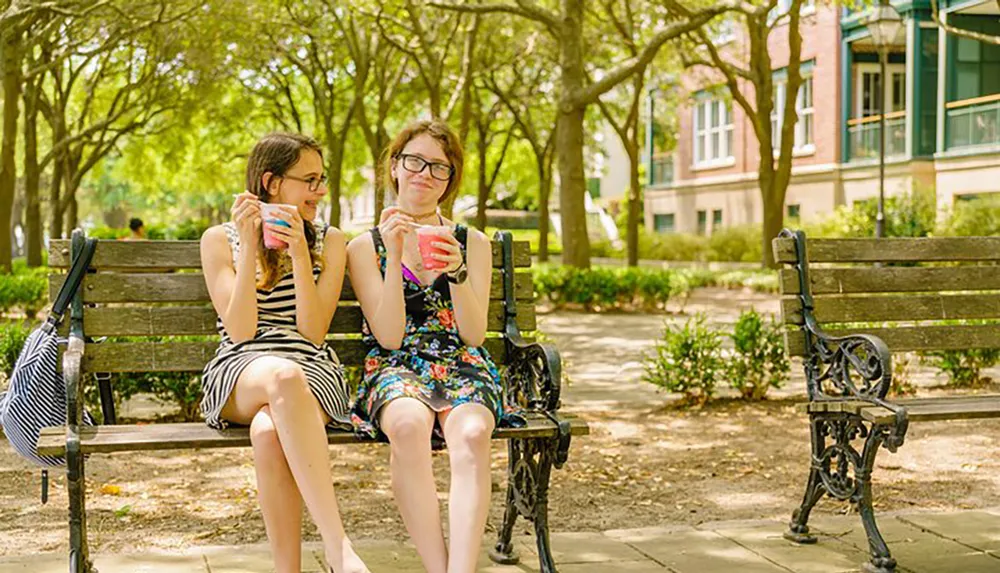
(524, 9)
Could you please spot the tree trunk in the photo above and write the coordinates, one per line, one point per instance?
(483, 187)
(381, 142)
(773, 202)
(572, 187)
(634, 201)
(544, 192)
(10, 64)
(55, 214)
(72, 213)
(32, 176)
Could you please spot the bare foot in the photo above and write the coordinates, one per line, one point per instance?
(345, 560)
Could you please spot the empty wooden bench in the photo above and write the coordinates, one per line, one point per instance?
(144, 291)
(934, 302)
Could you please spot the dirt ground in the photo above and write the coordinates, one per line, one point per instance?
(645, 463)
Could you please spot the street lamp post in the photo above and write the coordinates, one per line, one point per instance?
(884, 24)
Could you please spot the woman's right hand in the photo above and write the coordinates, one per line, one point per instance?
(246, 217)
(393, 226)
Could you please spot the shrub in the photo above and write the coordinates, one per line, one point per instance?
(12, 338)
(742, 244)
(759, 362)
(190, 230)
(964, 367)
(902, 383)
(27, 291)
(672, 246)
(909, 215)
(688, 360)
(604, 287)
(974, 218)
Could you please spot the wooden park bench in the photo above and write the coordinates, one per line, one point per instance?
(147, 291)
(922, 294)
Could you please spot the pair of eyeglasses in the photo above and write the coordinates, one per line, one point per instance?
(416, 164)
(313, 182)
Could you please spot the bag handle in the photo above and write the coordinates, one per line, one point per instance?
(76, 273)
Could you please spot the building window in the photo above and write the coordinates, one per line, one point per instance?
(716, 219)
(663, 222)
(702, 222)
(784, 6)
(871, 91)
(713, 133)
(594, 187)
(804, 130)
(792, 212)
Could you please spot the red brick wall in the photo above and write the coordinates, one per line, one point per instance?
(820, 43)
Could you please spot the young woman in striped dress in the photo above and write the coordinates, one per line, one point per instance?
(273, 370)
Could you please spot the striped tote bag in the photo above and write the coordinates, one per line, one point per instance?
(36, 397)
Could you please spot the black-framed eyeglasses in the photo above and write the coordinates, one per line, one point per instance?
(416, 164)
(313, 182)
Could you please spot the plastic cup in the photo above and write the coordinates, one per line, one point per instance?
(269, 214)
(425, 236)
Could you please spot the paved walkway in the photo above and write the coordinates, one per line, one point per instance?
(965, 542)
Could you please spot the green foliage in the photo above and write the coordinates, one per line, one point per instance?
(672, 246)
(25, 289)
(964, 367)
(688, 360)
(759, 362)
(975, 217)
(602, 288)
(742, 243)
(909, 215)
(12, 338)
(190, 230)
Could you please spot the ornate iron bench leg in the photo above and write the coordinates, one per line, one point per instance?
(881, 560)
(528, 472)
(798, 528)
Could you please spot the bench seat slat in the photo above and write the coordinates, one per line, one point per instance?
(912, 338)
(891, 249)
(192, 356)
(200, 320)
(185, 254)
(107, 439)
(921, 409)
(190, 287)
(852, 280)
(829, 310)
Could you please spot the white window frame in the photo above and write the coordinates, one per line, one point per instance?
(778, 115)
(891, 71)
(712, 131)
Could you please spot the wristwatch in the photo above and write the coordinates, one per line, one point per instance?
(458, 276)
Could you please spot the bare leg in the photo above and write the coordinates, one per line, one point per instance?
(280, 501)
(408, 423)
(467, 430)
(281, 385)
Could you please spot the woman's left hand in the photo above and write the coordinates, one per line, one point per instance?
(452, 254)
(294, 235)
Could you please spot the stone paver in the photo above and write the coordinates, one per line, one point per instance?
(965, 542)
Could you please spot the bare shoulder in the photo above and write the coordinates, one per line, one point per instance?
(214, 237)
(361, 244)
(477, 237)
(334, 237)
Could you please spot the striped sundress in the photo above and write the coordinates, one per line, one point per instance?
(277, 336)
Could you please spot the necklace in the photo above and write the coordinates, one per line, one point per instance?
(419, 216)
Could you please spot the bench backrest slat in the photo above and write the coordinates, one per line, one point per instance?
(953, 303)
(183, 356)
(931, 249)
(190, 287)
(151, 255)
(200, 320)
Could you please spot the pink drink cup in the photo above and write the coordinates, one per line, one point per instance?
(425, 236)
(269, 214)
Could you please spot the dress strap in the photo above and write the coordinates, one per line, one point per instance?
(379, 248)
(462, 236)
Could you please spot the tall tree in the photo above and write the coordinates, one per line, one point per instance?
(525, 85)
(568, 27)
(433, 40)
(10, 65)
(751, 84)
(379, 69)
(490, 126)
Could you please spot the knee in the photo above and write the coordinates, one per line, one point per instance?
(264, 438)
(285, 377)
(408, 434)
(471, 436)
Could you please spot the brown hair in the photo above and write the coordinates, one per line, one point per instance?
(276, 153)
(450, 144)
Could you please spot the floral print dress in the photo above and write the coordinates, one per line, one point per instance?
(432, 364)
